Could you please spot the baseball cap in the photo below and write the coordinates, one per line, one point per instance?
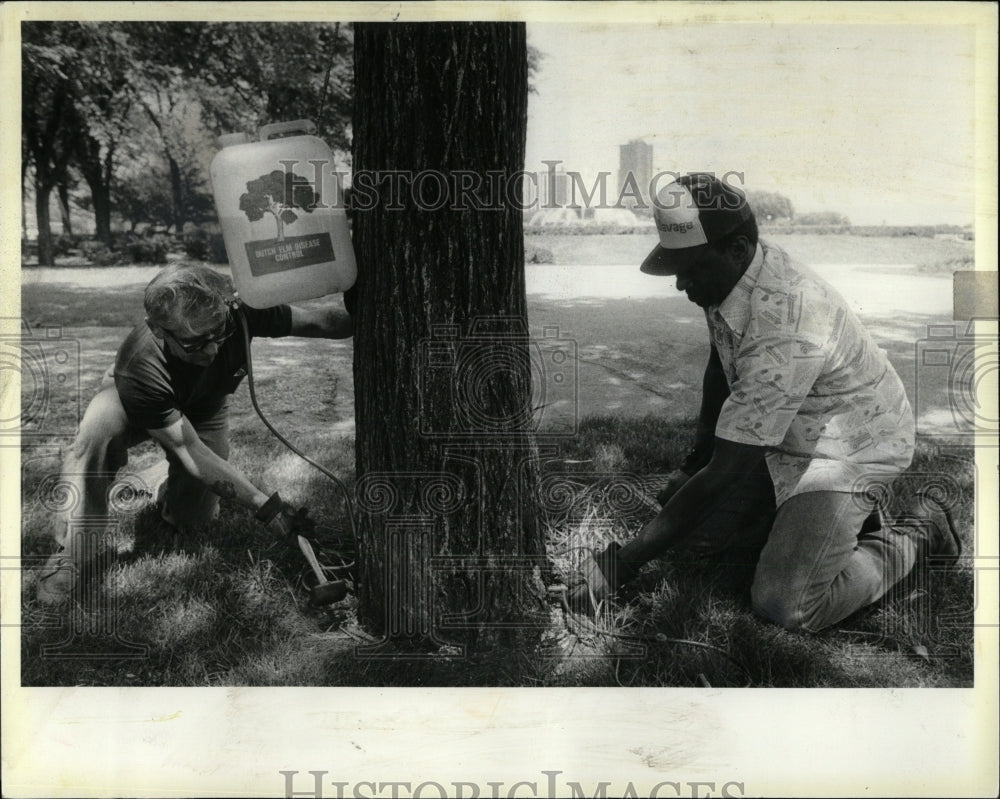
(695, 209)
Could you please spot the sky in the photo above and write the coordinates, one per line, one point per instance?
(872, 121)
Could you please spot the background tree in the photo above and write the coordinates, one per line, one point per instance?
(66, 184)
(168, 107)
(105, 102)
(446, 462)
(770, 207)
(142, 196)
(823, 218)
(250, 74)
(77, 76)
(46, 99)
(99, 116)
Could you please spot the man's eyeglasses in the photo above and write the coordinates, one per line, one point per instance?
(224, 331)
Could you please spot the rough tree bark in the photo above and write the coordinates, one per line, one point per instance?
(64, 210)
(43, 221)
(176, 192)
(450, 548)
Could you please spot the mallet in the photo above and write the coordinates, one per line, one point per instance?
(324, 592)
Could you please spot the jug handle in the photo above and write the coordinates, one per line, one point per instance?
(306, 126)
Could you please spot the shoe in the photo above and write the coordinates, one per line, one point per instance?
(941, 541)
(603, 573)
(57, 580)
(587, 596)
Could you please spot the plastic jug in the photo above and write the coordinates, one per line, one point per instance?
(281, 208)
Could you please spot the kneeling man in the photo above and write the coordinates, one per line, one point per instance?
(171, 382)
(801, 412)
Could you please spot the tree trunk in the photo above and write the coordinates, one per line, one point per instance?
(176, 181)
(67, 223)
(176, 193)
(279, 225)
(100, 193)
(46, 252)
(49, 151)
(449, 541)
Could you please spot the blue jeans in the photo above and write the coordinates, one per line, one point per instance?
(819, 564)
(822, 555)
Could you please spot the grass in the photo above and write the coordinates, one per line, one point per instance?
(42, 304)
(920, 634)
(226, 605)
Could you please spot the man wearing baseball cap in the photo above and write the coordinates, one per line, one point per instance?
(802, 418)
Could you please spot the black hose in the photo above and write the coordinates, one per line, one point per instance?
(658, 638)
(281, 438)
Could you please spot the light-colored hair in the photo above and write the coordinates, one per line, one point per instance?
(186, 293)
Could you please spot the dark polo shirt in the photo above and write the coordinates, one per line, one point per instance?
(156, 388)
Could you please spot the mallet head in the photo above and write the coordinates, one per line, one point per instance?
(327, 593)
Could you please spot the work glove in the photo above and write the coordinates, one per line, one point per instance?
(675, 480)
(291, 523)
(602, 573)
(287, 521)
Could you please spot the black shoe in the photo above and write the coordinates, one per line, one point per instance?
(941, 541)
(603, 573)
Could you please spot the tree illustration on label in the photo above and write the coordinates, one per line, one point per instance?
(278, 193)
(281, 194)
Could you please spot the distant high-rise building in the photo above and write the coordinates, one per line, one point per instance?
(553, 188)
(635, 171)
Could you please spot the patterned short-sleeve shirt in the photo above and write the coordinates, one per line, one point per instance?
(807, 381)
